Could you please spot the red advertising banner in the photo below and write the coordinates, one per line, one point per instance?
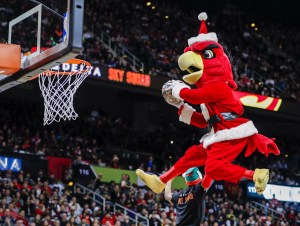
(58, 166)
(258, 101)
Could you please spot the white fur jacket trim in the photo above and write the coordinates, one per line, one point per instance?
(244, 130)
(186, 114)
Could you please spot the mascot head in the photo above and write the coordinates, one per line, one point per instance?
(192, 176)
(205, 60)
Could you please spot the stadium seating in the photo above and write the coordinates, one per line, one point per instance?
(266, 63)
(265, 59)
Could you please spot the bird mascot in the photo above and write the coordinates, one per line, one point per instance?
(209, 70)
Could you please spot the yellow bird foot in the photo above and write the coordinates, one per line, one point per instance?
(261, 178)
(152, 181)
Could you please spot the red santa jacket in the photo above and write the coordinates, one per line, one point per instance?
(215, 98)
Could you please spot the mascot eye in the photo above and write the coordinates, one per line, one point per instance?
(208, 54)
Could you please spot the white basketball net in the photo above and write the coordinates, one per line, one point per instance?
(58, 89)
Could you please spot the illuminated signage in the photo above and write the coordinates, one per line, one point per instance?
(83, 173)
(111, 74)
(258, 101)
(13, 164)
(94, 71)
(129, 77)
(282, 193)
(155, 83)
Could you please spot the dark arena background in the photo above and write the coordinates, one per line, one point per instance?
(82, 172)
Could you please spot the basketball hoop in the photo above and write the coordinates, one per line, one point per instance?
(58, 86)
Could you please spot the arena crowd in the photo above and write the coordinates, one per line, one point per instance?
(266, 63)
(44, 201)
(263, 58)
(264, 54)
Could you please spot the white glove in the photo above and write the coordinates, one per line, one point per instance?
(178, 86)
(167, 94)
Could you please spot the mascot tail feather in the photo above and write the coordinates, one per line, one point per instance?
(264, 145)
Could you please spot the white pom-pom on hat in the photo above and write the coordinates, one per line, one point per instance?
(203, 35)
(202, 16)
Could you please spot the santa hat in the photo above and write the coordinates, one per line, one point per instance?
(203, 35)
(192, 176)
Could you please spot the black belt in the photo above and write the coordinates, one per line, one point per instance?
(215, 118)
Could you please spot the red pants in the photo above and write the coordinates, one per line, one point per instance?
(217, 159)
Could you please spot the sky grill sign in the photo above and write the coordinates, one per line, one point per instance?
(13, 164)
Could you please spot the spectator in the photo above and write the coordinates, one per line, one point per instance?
(190, 201)
(274, 202)
(115, 162)
(125, 183)
(150, 164)
(107, 220)
(100, 163)
(98, 183)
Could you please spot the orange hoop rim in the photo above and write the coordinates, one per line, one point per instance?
(50, 72)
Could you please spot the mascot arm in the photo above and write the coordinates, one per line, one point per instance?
(198, 120)
(211, 92)
(188, 115)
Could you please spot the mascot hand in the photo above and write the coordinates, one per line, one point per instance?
(178, 86)
(167, 94)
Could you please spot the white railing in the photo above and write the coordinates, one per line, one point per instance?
(259, 77)
(132, 215)
(266, 210)
(101, 201)
(263, 78)
(121, 51)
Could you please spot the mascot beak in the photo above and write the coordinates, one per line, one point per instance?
(191, 62)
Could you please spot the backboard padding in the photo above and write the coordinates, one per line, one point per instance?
(60, 53)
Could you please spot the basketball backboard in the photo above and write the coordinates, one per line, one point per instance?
(43, 29)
